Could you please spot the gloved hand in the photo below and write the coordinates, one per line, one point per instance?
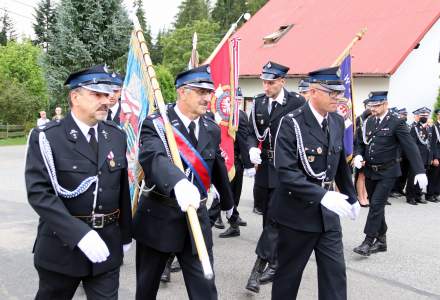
(337, 203)
(126, 247)
(249, 172)
(93, 247)
(422, 180)
(187, 194)
(254, 155)
(357, 161)
(355, 209)
(229, 213)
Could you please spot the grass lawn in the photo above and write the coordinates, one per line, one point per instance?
(13, 141)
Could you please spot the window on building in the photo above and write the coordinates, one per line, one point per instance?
(277, 35)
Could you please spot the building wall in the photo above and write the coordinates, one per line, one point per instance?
(417, 80)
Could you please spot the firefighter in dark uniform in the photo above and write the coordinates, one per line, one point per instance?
(303, 88)
(267, 110)
(76, 180)
(378, 151)
(421, 135)
(115, 100)
(243, 166)
(160, 225)
(399, 186)
(433, 191)
(310, 159)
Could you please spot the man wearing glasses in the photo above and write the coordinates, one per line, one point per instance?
(310, 160)
(378, 151)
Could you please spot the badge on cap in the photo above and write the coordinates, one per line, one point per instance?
(319, 150)
(208, 69)
(269, 65)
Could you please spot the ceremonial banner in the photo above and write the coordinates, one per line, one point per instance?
(224, 71)
(345, 106)
(136, 100)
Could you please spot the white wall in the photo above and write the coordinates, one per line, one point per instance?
(416, 82)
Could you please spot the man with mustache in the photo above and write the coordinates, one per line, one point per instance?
(160, 223)
(76, 180)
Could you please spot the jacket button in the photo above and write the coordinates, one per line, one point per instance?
(100, 190)
(99, 172)
(311, 202)
(166, 185)
(100, 206)
(290, 193)
(74, 167)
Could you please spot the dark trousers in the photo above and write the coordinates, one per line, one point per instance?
(294, 250)
(268, 241)
(58, 286)
(378, 193)
(413, 191)
(150, 264)
(399, 186)
(236, 187)
(433, 181)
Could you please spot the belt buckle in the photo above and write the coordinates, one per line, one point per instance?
(270, 154)
(327, 185)
(375, 168)
(98, 221)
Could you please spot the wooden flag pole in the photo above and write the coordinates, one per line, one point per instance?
(191, 212)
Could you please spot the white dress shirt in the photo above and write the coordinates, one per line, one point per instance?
(85, 128)
(186, 121)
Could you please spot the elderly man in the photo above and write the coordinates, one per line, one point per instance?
(76, 180)
(160, 224)
(310, 159)
(378, 150)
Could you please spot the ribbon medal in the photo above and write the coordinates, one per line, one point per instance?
(111, 157)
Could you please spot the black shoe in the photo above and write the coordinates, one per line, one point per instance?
(257, 211)
(420, 200)
(411, 201)
(241, 222)
(253, 283)
(387, 203)
(394, 195)
(268, 274)
(175, 267)
(380, 245)
(431, 199)
(166, 275)
(230, 232)
(364, 248)
(219, 223)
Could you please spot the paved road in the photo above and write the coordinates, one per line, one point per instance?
(410, 270)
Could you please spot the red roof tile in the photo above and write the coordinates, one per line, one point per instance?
(323, 28)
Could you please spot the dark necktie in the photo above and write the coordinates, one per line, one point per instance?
(324, 125)
(273, 106)
(109, 115)
(377, 123)
(192, 133)
(92, 142)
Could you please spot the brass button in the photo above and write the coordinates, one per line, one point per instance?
(74, 167)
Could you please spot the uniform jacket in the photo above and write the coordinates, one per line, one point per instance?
(384, 146)
(260, 119)
(59, 231)
(116, 118)
(241, 148)
(298, 197)
(436, 140)
(425, 134)
(158, 223)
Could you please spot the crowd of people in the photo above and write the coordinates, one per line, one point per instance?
(292, 144)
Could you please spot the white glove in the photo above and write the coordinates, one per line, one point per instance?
(126, 247)
(187, 194)
(249, 172)
(357, 161)
(422, 180)
(94, 247)
(336, 202)
(254, 155)
(215, 194)
(229, 213)
(355, 209)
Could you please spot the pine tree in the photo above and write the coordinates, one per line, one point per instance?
(7, 32)
(140, 13)
(190, 11)
(157, 48)
(436, 106)
(44, 21)
(255, 5)
(226, 12)
(85, 33)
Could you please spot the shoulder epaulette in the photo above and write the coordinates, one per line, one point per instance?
(261, 95)
(208, 118)
(48, 125)
(113, 124)
(296, 112)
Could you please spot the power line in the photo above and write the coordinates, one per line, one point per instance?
(25, 4)
(17, 14)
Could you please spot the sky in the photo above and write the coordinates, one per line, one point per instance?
(160, 14)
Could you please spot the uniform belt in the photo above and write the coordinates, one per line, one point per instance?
(167, 200)
(384, 166)
(100, 220)
(267, 153)
(328, 185)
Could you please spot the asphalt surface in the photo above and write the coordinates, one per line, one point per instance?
(409, 270)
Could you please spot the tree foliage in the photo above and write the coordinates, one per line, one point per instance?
(44, 22)
(86, 33)
(254, 5)
(436, 105)
(22, 87)
(143, 21)
(7, 32)
(191, 11)
(177, 45)
(166, 82)
(226, 12)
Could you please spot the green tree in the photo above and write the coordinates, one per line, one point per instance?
(86, 33)
(23, 89)
(7, 32)
(166, 82)
(44, 21)
(436, 105)
(177, 45)
(226, 12)
(254, 5)
(157, 48)
(190, 11)
(143, 21)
